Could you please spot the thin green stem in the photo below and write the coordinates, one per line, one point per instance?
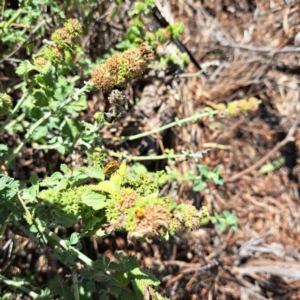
(75, 285)
(3, 7)
(62, 243)
(26, 232)
(42, 120)
(20, 285)
(13, 18)
(167, 155)
(193, 118)
(15, 121)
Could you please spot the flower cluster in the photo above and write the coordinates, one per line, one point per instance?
(240, 106)
(122, 68)
(63, 42)
(134, 206)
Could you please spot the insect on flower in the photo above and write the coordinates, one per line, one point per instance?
(111, 167)
(139, 213)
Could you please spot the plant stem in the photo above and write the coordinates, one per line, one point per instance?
(157, 157)
(19, 285)
(12, 123)
(62, 243)
(43, 119)
(3, 7)
(192, 118)
(75, 285)
(12, 19)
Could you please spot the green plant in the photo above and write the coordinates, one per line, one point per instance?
(223, 220)
(99, 198)
(199, 180)
(46, 114)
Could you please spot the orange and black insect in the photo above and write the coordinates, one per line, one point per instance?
(167, 200)
(139, 213)
(142, 176)
(111, 167)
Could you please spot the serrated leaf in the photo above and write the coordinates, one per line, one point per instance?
(86, 273)
(128, 295)
(76, 106)
(39, 132)
(29, 194)
(71, 128)
(121, 278)
(98, 265)
(24, 68)
(89, 224)
(66, 170)
(146, 275)
(41, 99)
(67, 220)
(104, 186)
(100, 276)
(93, 199)
(8, 187)
(95, 172)
(53, 180)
